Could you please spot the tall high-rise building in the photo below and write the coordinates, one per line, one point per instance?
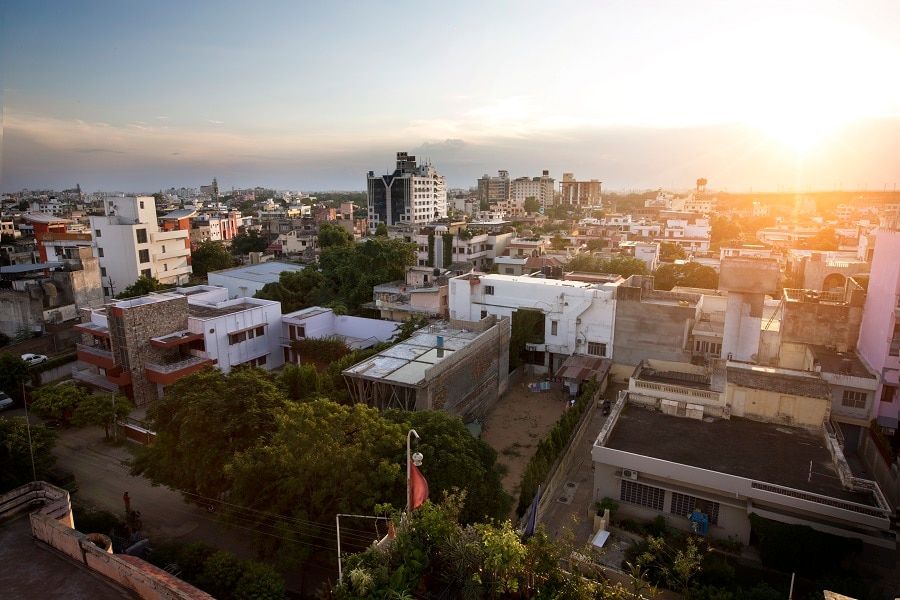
(579, 193)
(411, 194)
(493, 189)
(539, 188)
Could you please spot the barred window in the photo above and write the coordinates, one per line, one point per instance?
(854, 399)
(683, 504)
(644, 495)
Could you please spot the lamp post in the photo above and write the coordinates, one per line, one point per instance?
(411, 459)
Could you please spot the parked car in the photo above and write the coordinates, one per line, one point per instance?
(5, 401)
(34, 359)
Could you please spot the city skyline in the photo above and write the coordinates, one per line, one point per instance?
(639, 95)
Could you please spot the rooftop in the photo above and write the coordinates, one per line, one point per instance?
(782, 381)
(44, 218)
(741, 447)
(32, 570)
(202, 311)
(406, 362)
(183, 213)
(844, 363)
(261, 273)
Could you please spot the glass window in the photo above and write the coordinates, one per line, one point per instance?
(146, 273)
(144, 256)
(489, 290)
(141, 236)
(100, 252)
(554, 327)
(96, 233)
(853, 399)
(684, 505)
(596, 349)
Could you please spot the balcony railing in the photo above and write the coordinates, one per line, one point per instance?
(676, 389)
(96, 379)
(171, 372)
(95, 355)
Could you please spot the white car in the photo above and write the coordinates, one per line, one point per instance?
(5, 401)
(34, 359)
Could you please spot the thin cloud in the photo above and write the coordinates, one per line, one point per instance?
(215, 122)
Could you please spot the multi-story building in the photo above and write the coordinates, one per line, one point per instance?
(579, 193)
(316, 322)
(879, 334)
(140, 346)
(249, 279)
(539, 188)
(411, 194)
(130, 243)
(492, 190)
(690, 234)
(577, 317)
(216, 227)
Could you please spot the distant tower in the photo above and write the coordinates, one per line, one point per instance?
(701, 184)
(215, 189)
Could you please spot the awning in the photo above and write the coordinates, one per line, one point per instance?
(582, 367)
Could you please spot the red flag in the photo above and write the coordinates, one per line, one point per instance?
(418, 487)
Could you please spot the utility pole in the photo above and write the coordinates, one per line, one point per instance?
(28, 427)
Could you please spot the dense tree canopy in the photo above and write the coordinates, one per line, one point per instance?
(15, 458)
(334, 235)
(670, 251)
(687, 275)
(351, 271)
(141, 287)
(531, 205)
(296, 290)
(101, 411)
(58, 401)
(626, 266)
(203, 421)
(245, 243)
(210, 256)
(13, 373)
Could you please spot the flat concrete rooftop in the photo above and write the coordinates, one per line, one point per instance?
(32, 570)
(207, 312)
(761, 451)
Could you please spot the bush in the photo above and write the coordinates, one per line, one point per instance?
(609, 503)
(800, 548)
(658, 527)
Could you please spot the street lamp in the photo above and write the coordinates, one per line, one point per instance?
(410, 460)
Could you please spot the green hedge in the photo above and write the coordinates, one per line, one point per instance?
(799, 548)
(448, 249)
(431, 250)
(551, 446)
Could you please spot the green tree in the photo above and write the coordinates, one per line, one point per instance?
(557, 242)
(670, 251)
(825, 239)
(58, 401)
(595, 244)
(724, 231)
(101, 411)
(202, 421)
(323, 459)
(15, 457)
(531, 205)
(245, 243)
(299, 382)
(259, 581)
(13, 373)
(296, 290)
(210, 256)
(334, 235)
(381, 230)
(626, 266)
(141, 287)
(351, 271)
(687, 275)
(455, 459)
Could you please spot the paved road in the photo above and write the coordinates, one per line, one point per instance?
(102, 474)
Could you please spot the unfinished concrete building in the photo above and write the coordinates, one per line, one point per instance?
(461, 367)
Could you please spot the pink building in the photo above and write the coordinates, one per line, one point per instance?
(879, 334)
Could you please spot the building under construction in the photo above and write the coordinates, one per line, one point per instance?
(461, 367)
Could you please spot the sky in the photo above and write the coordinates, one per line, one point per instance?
(141, 96)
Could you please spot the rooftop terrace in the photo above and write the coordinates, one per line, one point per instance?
(741, 447)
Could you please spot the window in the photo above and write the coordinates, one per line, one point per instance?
(105, 291)
(260, 331)
(642, 495)
(684, 505)
(146, 273)
(102, 271)
(165, 267)
(854, 399)
(554, 327)
(297, 332)
(163, 250)
(237, 338)
(489, 290)
(144, 256)
(141, 236)
(508, 270)
(596, 349)
(483, 314)
(142, 204)
(887, 393)
(96, 233)
(99, 252)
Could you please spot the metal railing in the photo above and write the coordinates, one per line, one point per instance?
(872, 511)
(95, 350)
(176, 366)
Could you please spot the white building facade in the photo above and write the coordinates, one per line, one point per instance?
(129, 243)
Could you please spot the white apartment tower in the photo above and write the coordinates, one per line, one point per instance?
(411, 194)
(129, 243)
(539, 188)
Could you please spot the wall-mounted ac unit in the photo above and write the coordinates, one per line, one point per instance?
(629, 474)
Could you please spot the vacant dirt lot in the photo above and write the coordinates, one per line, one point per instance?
(517, 423)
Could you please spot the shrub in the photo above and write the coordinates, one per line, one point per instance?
(609, 503)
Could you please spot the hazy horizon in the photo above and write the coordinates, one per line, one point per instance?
(640, 95)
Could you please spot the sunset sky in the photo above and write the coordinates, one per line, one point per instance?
(140, 96)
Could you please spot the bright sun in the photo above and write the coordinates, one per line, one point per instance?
(802, 127)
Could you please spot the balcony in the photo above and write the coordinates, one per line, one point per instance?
(171, 372)
(93, 329)
(176, 339)
(163, 236)
(118, 376)
(95, 355)
(89, 377)
(172, 253)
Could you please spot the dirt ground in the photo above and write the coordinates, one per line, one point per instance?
(517, 423)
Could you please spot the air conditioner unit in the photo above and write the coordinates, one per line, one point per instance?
(629, 474)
